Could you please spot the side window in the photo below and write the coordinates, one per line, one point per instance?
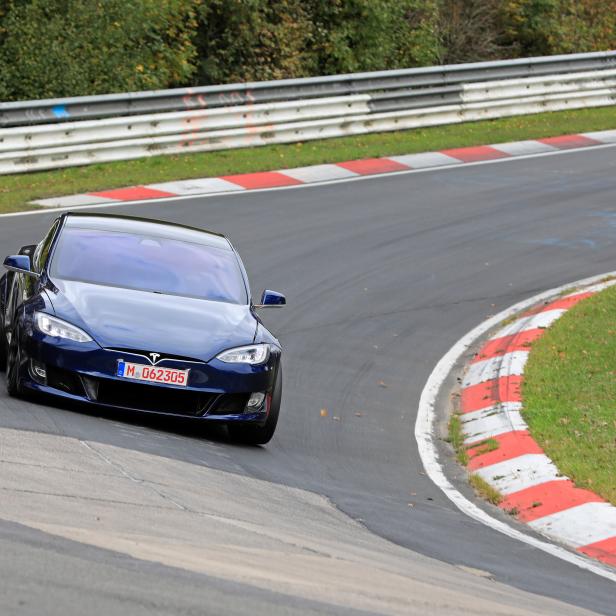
(42, 250)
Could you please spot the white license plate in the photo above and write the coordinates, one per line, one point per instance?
(153, 374)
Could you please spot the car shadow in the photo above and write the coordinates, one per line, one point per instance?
(197, 428)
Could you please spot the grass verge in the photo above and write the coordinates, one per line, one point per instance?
(570, 393)
(456, 438)
(16, 191)
(485, 490)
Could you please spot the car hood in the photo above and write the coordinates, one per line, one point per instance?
(145, 321)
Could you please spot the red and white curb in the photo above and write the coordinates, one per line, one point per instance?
(334, 172)
(532, 487)
(432, 411)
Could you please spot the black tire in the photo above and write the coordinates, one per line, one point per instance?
(13, 365)
(2, 350)
(260, 435)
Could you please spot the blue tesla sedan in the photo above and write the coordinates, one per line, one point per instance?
(142, 315)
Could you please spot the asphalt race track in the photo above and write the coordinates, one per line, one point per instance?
(129, 515)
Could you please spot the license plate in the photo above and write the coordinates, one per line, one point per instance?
(153, 374)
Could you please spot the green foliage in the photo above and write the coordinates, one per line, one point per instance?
(247, 40)
(58, 48)
(415, 34)
(365, 35)
(471, 31)
(52, 48)
(545, 27)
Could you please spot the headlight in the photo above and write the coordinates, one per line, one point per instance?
(58, 328)
(252, 354)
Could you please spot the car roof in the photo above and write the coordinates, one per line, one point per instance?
(146, 226)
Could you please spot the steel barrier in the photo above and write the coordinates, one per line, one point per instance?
(48, 134)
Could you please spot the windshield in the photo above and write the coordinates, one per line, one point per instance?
(149, 263)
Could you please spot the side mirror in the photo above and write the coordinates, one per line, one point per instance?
(19, 264)
(271, 299)
(27, 250)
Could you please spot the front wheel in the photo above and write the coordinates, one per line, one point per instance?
(260, 435)
(13, 365)
(2, 350)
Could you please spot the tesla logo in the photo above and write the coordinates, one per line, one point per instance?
(154, 357)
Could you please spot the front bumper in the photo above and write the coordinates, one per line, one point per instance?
(87, 373)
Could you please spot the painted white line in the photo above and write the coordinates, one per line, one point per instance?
(541, 320)
(197, 186)
(318, 173)
(579, 526)
(525, 471)
(606, 136)
(75, 201)
(426, 441)
(595, 288)
(509, 364)
(359, 178)
(493, 421)
(518, 148)
(425, 160)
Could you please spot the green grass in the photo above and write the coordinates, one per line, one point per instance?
(456, 439)
(485, 490)
(570, 393)
(17, 191)
(490, 444)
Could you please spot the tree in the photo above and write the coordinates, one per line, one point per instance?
(471, 31)
(58, 48)
(546, 27)
(248, 40)
(366, 35)
(245, 40)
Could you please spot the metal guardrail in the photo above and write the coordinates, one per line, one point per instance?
(44, 134)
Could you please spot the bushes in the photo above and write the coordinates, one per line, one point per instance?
(368, 35)
(57, 48)
(246, 40)
(471, 31)
(52, 48)
(545, 27)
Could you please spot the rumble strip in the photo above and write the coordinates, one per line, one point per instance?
(531, 485)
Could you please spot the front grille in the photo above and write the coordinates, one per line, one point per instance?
(147, 397)
(154, 399)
